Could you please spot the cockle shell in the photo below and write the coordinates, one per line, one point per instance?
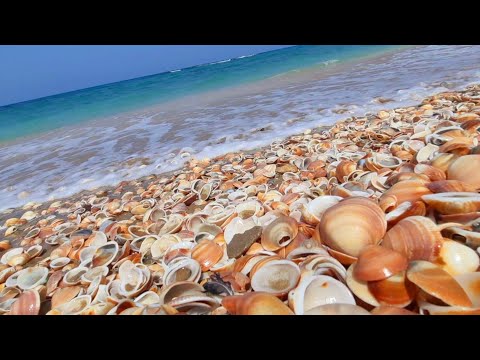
(352, 224)
(255, 303)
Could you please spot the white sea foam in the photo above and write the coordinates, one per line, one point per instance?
(125, 148)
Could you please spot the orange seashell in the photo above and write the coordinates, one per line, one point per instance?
(352, 224)
(344, 169)
(5, 245)
(453, 202)
(443, 160)
(402, 176)
(443, 186)
(255, 303)
(408, 190)
(255, 248)
(394, 291)
(465, 169)
(61, 251)
(472, 126)
(430, 171)
(458, 146)
(238, 280)
(279, 233)
(53, 281)
(63, 295)
(390, 310)
(405, 210)
(343, 258)
(459, 218)
(416, 237)
(207, 253)
(437, 282)
(377, 263)
(27, 304)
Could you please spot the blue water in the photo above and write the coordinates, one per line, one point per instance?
(71, 108)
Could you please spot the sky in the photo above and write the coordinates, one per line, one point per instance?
(32, 71)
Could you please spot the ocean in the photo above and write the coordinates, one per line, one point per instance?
(58, 145)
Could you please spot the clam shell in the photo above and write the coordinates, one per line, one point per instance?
(360, 288)
(74, 276)
(465, 169)
(9, 254)
(32, 277)
(27, 304)
(275, 276)
(393, 291)
(185, 269)
(415, 237)
(255, 303)
(316, 290)
(337, 309)
(64, 295)
(75, 306)
(207, 253)
(437, 282)
(453, 202)
(377, 263)
(105, 254)
(456, 258)
(59, 263)
(352, 224)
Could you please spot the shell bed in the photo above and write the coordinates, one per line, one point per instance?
(376, 215)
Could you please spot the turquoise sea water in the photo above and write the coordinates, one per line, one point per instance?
(70, 108)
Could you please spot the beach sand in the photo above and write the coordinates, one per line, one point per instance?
(235, 197)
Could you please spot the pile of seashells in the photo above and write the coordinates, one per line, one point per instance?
(377, 215)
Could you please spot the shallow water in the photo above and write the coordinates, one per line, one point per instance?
(83, 155)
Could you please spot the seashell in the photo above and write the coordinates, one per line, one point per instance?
(443, 160)
(276, 276)
(14, 222)
(238, 226)
(74, 276)
(5, 245)
(185, 269)
(279, 233)
(27, 304)
(377, 263)
(456, 258)
(6, 273)
(98, 309)
(453, 202)
(316, 290)
(97, 239)
(437, 282)
(105, 254)
(53, 281)
(470, 283)
(408, 190)
(32, 233)
(393, 291)
(93, 273)
(32, 277)
(207, 253)
(147, 298)
(390, 310)
(75, 306)
(162, 244)
(344, 169)
(9, 254)
(360, 288)
(445, 186)
(59, 263)
(433, 173)
(337, 309)
(405, 210)
(179, 289)
(62, 251)
(20, 259)
(34, 251)
(352, 224)
(426, 153)
(64, 295)
(416, 237)
(248, 209)
(312, 213)
(465, 169)
(255, 303)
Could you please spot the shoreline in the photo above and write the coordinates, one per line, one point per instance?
(391, 195)
(211, 98)
(110, 188)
